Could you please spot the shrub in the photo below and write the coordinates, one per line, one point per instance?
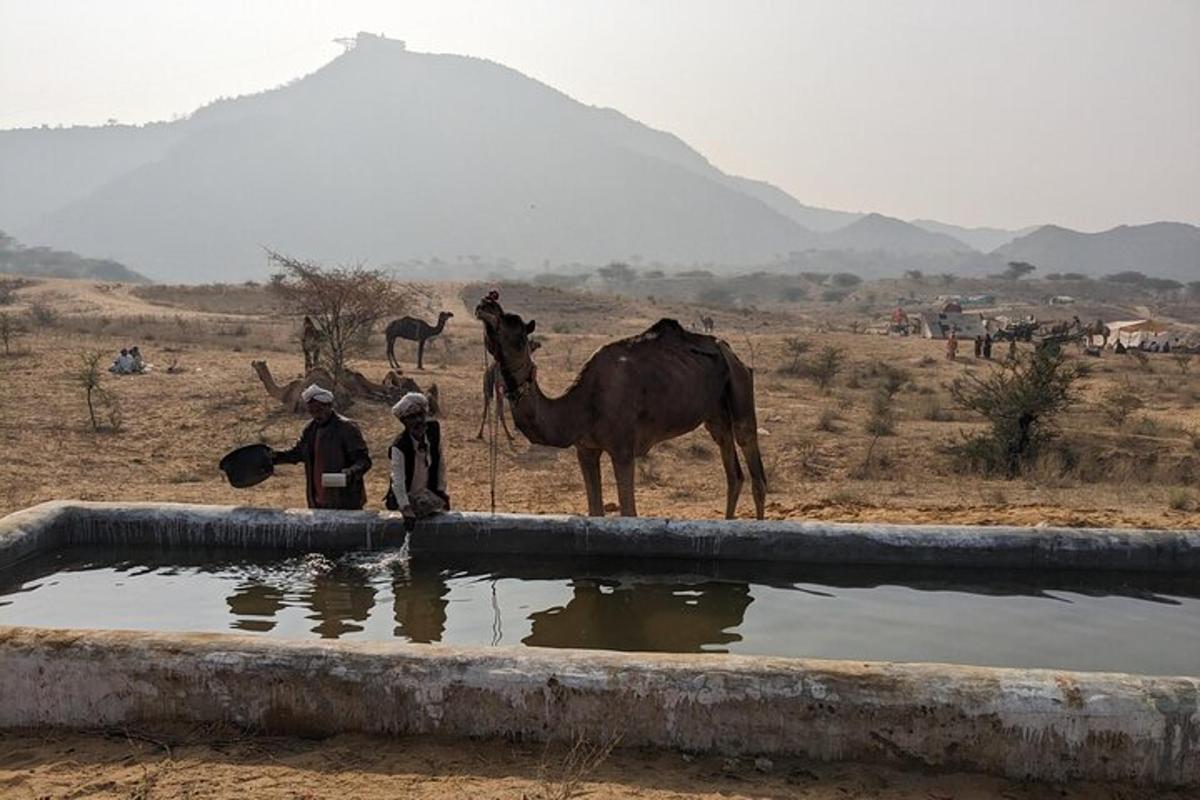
(1183, 500)
(828, 420)
(930, 408)
(1120, 403)
(1022, 401)
(882, 421)
(10, 329)
(42, 314)
(1183, 361)
(825, 366)
(796, 348)
(100, 402)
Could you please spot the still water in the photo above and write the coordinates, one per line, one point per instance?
(1116, 622)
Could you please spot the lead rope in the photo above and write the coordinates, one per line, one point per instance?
(494, 431)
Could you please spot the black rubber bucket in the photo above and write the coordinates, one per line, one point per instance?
(247, 466)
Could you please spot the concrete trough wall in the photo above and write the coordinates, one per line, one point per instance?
(174, 524)
(1018, 723)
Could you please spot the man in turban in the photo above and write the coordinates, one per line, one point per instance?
(418, 486)
(333, 452)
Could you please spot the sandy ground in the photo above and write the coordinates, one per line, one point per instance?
(176, 426)
(222, 764)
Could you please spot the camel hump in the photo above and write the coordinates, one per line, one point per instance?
(665, 327)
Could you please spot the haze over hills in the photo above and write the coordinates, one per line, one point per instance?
(1161, 249)
(388, 156)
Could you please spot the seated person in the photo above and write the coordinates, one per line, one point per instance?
(123, 365)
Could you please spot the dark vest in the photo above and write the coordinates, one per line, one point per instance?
(404, 443)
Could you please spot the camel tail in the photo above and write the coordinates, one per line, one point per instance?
(744, 418)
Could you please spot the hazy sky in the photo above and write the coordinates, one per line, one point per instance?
(1085, 113)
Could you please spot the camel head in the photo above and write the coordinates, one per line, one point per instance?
(445, 315)
(507, 339)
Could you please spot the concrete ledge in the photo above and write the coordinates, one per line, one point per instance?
(1017, 723)
(176, 524)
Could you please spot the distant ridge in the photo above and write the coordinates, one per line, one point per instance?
(877, 232)
(985, 240)
(1161, 249)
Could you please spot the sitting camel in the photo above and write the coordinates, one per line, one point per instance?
(631, 395)
(289, 393)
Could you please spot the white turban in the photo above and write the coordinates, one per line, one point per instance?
(411, 403)
(318, 393)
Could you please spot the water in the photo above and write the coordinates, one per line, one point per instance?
(1117, 622)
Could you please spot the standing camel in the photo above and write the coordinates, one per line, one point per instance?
(310, 342)
(414, 330)
(492, 384)
(631, 395)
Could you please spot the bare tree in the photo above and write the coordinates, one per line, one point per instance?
(87, 377)
(344, 303)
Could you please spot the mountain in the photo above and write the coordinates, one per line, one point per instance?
(877, 232)
(985, 240)
(1160, 249)
(16, 259)
(384, 155)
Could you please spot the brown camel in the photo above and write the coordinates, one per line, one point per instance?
(289, 393)
(414, 330)
(492, 388)
(631, 395)
(310, 342)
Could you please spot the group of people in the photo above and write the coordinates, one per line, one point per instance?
(983, 346)
(129, 362)
(336, 458)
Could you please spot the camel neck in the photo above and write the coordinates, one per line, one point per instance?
(552, 421)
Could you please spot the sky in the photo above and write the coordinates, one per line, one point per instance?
(1083, 113)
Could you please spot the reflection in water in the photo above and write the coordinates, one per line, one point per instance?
(337, 598)
(612, 615)
(419, 605)
(255, 599)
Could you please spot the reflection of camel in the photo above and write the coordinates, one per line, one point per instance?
(414, 330)
(631, 395)
(289, 393)
(491, 388)
(310, 341)
(677, 618)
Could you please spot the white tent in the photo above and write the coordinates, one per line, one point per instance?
(1136, 332)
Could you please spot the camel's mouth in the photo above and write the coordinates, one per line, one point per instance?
(489, 312)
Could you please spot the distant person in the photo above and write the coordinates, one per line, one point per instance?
(135, 355)
(418, 459)
(952, 346)
(978, 346)
(333, 452)
(123, 364)
(1119, 348)
(1012, 350)
(987, 346)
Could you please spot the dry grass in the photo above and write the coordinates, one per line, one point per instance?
(176, 426)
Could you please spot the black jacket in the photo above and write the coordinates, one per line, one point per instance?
(342, 449)
(404, 443)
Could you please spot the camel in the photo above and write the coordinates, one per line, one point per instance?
(491, 387)
(289, 393)
(706, 324)
(1097, 328)
(632, 394)
(310, 342)
(414, 330)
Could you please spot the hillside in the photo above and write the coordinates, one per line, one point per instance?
(985, 240)
(46, 262)
(1161, 249)
(877, 232)
(385, 154)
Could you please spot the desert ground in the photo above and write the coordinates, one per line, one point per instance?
(171, 426)
(202, 399)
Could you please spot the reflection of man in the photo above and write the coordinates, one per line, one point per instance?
(420, 605)
(334, 454)
(680, 618)
(254, 599)
(338, 599)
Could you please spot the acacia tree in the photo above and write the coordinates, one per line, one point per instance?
(10, 329)
(344, 303)
(1022, 401)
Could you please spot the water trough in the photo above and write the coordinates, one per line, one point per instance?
(1054, 725)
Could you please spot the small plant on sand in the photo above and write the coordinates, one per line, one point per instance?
(1121, 402)
(1183, 500)
(100, 402)
(795, 348)
(563, 778)
(1021, 400)
(1183, 361)
(828, 420)
(10, 329)
(882, 420)
(42, 314)
(825, 366)
(1143, 360)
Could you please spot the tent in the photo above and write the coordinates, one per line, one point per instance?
(1136, 332)
(939, 324)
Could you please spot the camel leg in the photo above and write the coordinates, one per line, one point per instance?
(391, 354)
(421, 354)
(589, 465)
(747, 438)
(503, 418)
(623, 468)
(723, 436)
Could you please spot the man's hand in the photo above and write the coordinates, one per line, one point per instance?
(409, 514)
